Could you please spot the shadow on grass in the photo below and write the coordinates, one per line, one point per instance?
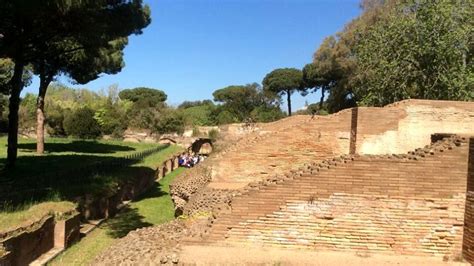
(32, 166)
(153, 192)
(127, 220)
(44, 178)
(78, 146)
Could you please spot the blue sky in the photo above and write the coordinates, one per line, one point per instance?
(194, 47)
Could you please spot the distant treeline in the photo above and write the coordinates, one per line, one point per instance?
(87, 114)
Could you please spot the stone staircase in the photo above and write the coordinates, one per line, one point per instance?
(409, 204)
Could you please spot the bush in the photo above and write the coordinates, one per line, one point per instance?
(226, 117)
(267, 114)
(27, 112)
(169, 122)
(196, 132)
(198, 115)
(111, 120)
(55, 120)
(82, 124)
(213, 134)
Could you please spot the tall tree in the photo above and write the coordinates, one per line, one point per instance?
(324, 73)
(404, 49)
(144, 96)
(422, 49)
(239, 100)
(341, 49)
(6, 68)
(284, 81)
(80, 66)
(147, 106)
(27, 26)
(312, 81)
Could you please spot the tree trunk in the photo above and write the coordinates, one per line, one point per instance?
(288, 94)
(322, 99)
(44, 83)
(16, 85)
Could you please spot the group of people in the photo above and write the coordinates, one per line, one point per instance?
(190, 160)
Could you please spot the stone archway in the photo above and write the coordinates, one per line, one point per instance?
(202, 146)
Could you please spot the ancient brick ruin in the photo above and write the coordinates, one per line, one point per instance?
(376, 184)
(397, 180)
(409, 205)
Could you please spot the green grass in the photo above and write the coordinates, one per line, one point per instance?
(29, 193)
(158, 158)
(152, 208)
(65, 153)
(66, 170)
(25, 216)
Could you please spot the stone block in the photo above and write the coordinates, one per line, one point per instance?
(67, 231)
(28, 245)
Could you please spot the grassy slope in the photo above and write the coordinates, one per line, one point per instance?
(23, 218)
(58, 151)
(153, 208)
(63, 153)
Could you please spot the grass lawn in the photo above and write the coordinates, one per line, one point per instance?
(67, 168)
(65, 153)
(30, 197)
(24, 217)
(153, 208)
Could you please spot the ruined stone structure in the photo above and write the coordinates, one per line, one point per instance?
(391, 180)
(407, 125)
(412, 204)
(289, 143)
(468, 238)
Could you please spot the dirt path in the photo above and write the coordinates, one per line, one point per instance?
(250, 255)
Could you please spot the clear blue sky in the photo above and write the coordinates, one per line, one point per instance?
(194, 47)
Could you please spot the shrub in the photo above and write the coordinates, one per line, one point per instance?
(226, 117)
(267, 114)
(55, 119)
(169, 122)
(213, 134)
(141, 118)
(198, 115)
(82, 124)
(27, 112)
(196, 132)
(111, 120)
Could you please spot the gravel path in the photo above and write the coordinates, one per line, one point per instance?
(251, 255)
(155, 245)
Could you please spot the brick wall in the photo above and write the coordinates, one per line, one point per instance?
(409, 204)
(280, 147)
(289, 143)
(408, 124)
(468, 240)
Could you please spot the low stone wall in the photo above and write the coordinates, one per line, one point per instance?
(208, 200)
(94, 207)
(27, 244)
(32, 242)
(167, 167)
(67, 231)
(189, 183)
